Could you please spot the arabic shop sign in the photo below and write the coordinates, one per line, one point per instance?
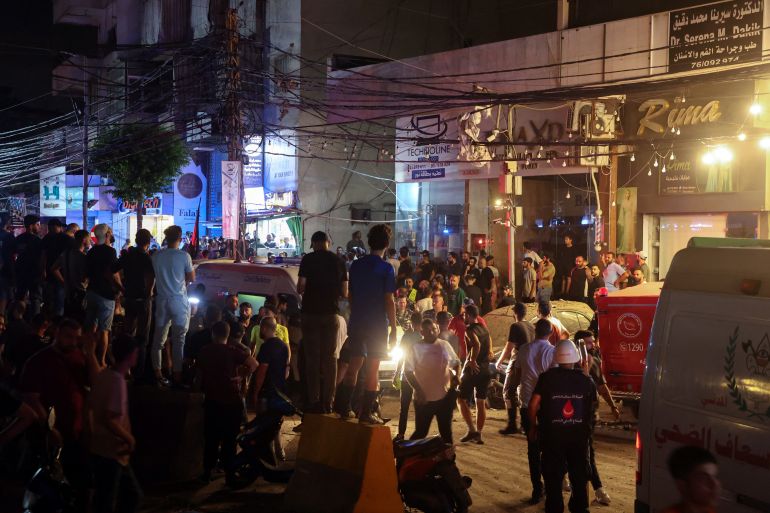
(715, 35)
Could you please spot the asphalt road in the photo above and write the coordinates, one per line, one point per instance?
(498, 468)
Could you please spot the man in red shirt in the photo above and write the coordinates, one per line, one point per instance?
(57, 377)
(220, 364)
(457, 326)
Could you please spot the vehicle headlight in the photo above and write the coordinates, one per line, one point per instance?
(396, 354)
(194, 300)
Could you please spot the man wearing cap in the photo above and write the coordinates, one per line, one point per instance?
(323, 279)
(643, 265)
(560, 415)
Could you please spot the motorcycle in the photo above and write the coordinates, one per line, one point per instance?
(257, 457)
(495, 392)
(48, 491)
(428, 478)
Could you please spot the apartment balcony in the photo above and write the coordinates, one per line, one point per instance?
(79, 12)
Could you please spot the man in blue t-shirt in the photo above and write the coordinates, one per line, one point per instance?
(372, 284)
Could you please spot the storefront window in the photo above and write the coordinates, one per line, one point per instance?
(676, 231)
(274, 234)
(431, 215)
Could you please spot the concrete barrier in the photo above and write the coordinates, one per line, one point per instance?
(168, 427)
(343, 467)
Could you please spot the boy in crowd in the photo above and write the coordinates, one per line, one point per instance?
(116, 486)
(695, 472)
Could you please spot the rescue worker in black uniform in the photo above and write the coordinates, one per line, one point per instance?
(561, 412)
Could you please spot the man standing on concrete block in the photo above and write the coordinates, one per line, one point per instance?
(322, 280)
(372, 284)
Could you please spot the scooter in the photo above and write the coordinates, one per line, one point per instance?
(428, 478)
(256, 457)
(48, 491)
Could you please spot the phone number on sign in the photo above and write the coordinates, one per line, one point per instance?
(713, 62)
(632, 348)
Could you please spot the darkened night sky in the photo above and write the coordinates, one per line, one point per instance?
(26, 71)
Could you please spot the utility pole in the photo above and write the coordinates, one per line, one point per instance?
(86, 112)
(233, 121)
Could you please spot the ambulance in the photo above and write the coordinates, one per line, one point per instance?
(707, 375)
(252, 283)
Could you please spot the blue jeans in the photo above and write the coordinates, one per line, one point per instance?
(170, 313)
(544, 294)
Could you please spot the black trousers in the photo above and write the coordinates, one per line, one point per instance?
(596, 481)
(319, 341)
(137, 324)
(533, 455)
(116, 489)
(406, 400)
(574, 455)
(221, 425)
(442, 410)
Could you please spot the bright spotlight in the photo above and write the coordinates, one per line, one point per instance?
(708, 158)
(741, 136)
(723, 154)
(765, 143)
(755, 109)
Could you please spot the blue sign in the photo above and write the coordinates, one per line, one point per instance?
(426, 174)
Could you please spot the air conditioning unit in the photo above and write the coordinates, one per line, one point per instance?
(579, 115)
(593, 120)
(595, 156)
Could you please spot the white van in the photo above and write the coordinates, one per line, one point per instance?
(707, 378)
(252, 283)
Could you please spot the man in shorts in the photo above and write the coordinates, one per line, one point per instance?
(476, 376)
(372, 309)
(103, 284)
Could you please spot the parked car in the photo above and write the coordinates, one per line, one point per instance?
(574, 315)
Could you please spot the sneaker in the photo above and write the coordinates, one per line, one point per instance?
(370, 419)
(350, 414)
(509, 430)
(471, 436)
(479, 441)
(602, 497)
(162, 383)
(566, 487)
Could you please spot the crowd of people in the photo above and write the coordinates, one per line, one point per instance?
(82, 323)
(570, 275)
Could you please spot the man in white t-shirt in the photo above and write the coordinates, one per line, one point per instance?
(614, 274)
(173, 272)
(531, 253)
(431, 368)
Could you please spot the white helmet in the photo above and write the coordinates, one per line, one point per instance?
(567, 352)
